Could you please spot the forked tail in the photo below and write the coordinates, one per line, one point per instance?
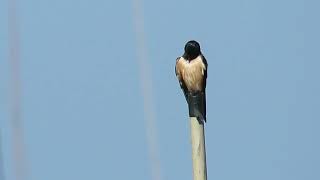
(197, 105)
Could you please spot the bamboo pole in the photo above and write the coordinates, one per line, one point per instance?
(198, 149)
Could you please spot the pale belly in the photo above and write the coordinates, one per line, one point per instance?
(192, 73)
(193, 78)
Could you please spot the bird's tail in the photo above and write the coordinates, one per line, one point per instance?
(197, 105)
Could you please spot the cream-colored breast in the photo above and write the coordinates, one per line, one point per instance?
(193, 73)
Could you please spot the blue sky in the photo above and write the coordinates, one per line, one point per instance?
(82, 104)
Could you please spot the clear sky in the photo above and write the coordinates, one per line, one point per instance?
(82, 105)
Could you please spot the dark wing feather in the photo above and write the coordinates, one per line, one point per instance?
(205, 72)
(204, 88)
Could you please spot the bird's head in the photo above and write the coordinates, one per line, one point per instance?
(191, 50)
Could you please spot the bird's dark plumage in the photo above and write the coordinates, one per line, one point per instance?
(191, 71)
(191, 50)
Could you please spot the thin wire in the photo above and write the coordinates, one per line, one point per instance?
(2, 175)
(147, 90)
(15, 100)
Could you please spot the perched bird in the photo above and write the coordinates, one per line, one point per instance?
(191, 71)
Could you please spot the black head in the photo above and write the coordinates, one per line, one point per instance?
(191, 50)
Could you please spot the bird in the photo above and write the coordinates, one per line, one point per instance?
(191, 72)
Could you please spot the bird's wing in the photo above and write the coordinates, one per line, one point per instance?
(204, 61)
(178, 72)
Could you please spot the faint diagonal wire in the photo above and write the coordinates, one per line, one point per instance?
(2, 175)
(147, 91)
(15, 96)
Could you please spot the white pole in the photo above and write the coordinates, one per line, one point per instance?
(198, 150)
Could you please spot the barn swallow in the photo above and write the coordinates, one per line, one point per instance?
(191, 71)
